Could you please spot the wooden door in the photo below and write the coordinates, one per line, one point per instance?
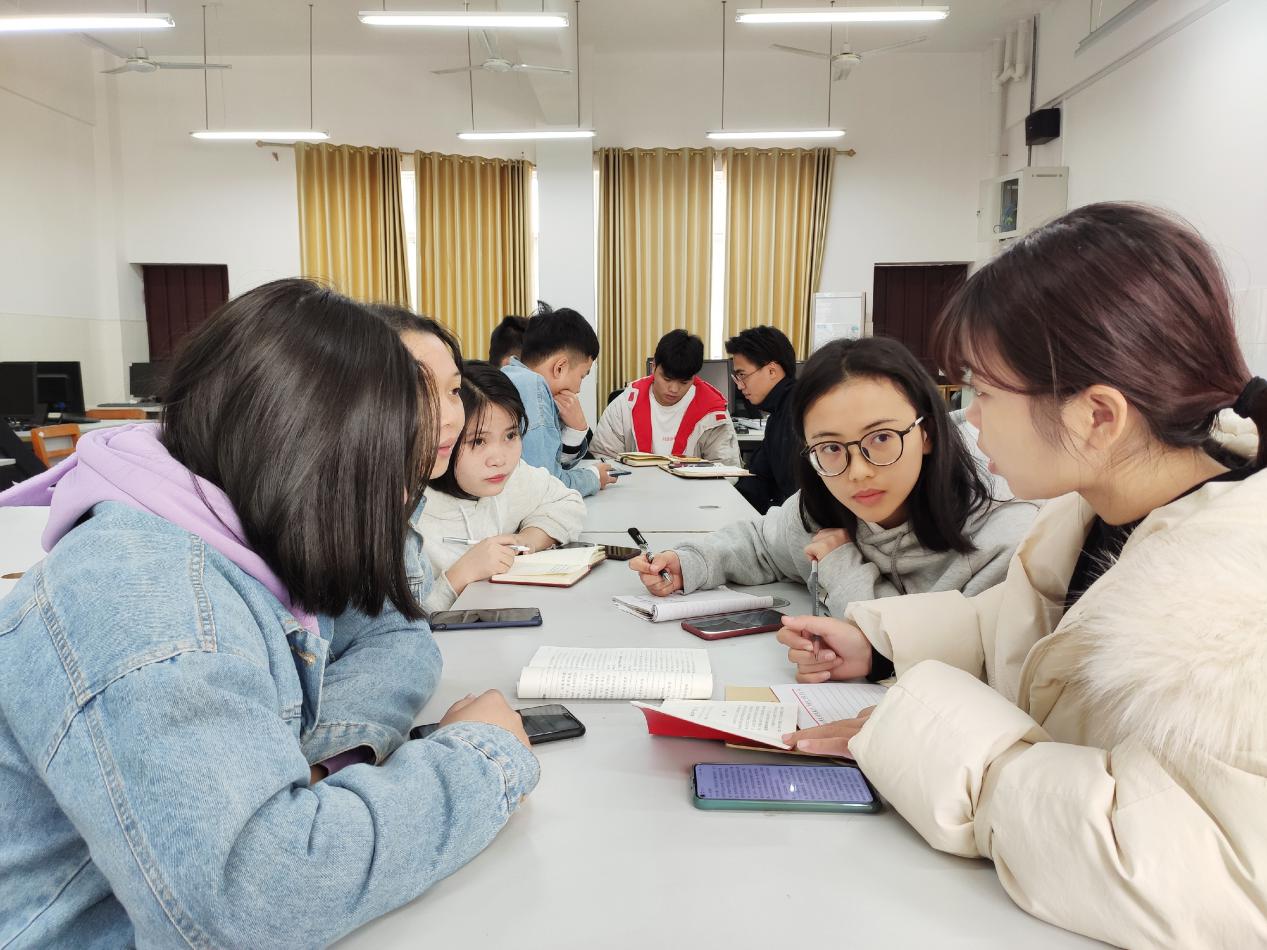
(178, 299)
(907, 299)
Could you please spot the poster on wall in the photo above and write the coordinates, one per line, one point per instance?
(840, 315)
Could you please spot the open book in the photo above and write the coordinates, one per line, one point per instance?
(704, 470)
(747, 723)
(702, 603)
(621, 673)
(640, 459)
(816, 704)
(555, 567)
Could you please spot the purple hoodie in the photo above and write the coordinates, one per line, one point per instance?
(129, 465)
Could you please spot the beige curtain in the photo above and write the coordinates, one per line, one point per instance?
(776, 227)
(474, 243)
(654, 253)
(351, 223)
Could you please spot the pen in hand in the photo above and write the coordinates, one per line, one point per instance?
(639, 540)
(814, 604)
(517, 548)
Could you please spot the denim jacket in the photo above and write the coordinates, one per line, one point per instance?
(158, 713)
(543, 440)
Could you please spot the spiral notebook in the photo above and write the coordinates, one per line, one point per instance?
(702, 603)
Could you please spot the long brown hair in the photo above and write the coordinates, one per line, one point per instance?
(1117, 294)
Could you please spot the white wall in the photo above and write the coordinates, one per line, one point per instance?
(60, 297)
(1179, 125)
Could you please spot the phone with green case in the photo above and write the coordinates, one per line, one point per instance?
(828, 788)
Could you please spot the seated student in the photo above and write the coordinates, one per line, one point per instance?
(558, 350)
(211, 584)
(506, 340)
(490, 495)
(1095, 724)
(765, 372)
(672, 411)
(891, 500)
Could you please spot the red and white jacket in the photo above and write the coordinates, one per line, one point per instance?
(705, 429)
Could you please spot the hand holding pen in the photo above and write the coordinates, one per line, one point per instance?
(639, 540)
(815, 603)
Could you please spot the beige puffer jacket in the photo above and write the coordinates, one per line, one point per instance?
(1115, 766)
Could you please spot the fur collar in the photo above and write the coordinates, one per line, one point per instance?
(1172, 643)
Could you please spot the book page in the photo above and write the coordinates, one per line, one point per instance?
(755, 721)
(702, 603)
(707, 471)
(576, 557)
(820, 703)
(618, 673)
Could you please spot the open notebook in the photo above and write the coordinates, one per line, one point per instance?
(555, 567)
(707, 470)
(620, 673)
(640, 459)
(702, 603)
(743, 723)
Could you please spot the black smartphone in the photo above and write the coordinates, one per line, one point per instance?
(542, 723)
(734, 625)
(617, 472)
(488, 617)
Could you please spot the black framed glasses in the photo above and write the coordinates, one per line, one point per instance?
(881, 447)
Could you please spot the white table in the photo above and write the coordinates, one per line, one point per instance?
(653, 500)
(25, 434)
(609, 851)
(6, 462)
(20, 531)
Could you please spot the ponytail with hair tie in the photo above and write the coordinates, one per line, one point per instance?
(1252, 404)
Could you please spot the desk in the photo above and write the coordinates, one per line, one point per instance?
(654, 500)
(5, 463)
(609, 852)
(20, 529)
(25, 434)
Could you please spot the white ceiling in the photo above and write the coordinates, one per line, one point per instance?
(280, 27)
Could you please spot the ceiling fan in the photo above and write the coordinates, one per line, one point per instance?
(496, 63)
(846, 59)
(142, 63)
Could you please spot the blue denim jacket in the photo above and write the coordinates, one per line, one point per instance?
(158, 713)
(543, 441)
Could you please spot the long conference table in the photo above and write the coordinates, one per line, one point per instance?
(608, 851)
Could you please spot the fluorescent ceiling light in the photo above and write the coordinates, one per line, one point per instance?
(85, 22)
(527, 134)
(470, 20)
(726, 134)
(841, 14)
(238, 135)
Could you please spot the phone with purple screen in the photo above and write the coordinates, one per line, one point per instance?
(833, 788)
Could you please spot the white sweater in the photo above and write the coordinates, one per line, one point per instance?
(532, 498)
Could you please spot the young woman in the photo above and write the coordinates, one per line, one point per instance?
(1096, 724)
(891, 500)
(218, 593)
(489, 495)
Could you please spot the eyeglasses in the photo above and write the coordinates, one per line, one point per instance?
(739, 376)
(881, 447)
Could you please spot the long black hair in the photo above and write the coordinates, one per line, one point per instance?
(309, 413)
(404, 320)
(483, 385)
(950, 487)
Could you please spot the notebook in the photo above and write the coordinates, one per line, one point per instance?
(705, 470)
(556, 567)
(619, 673)
(702, 603)
(746, 723)
(816, 704)
(640, 459)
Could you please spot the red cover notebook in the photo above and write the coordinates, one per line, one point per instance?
(728, 722)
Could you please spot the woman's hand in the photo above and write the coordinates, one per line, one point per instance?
(843, 653)
(481, 561)
(830, 739)
(649, 573)
(490, 707)
(826, 541)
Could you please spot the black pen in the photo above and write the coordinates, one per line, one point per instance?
(639, 540)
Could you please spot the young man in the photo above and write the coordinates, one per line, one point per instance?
(559, 348)
(765, 371)
(506, 340)
(672, 411)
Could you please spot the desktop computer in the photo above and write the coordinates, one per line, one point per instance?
(18, 402)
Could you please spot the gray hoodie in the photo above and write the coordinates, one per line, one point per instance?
(884, 562)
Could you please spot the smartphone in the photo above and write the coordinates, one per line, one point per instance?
(614, 552)
(488, 617)
(542, 723)
(734, 625)
(833, 788)
(617, 472)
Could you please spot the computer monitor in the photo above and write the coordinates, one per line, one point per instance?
(17, 390)
(60, 386)
(717, 374)
(145, 380)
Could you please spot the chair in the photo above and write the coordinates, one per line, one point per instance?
(40, 437)
(116, 414)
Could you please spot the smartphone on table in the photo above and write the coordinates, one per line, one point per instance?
(541, 723)
(831, 788)
(485, 618)
(734, 625)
